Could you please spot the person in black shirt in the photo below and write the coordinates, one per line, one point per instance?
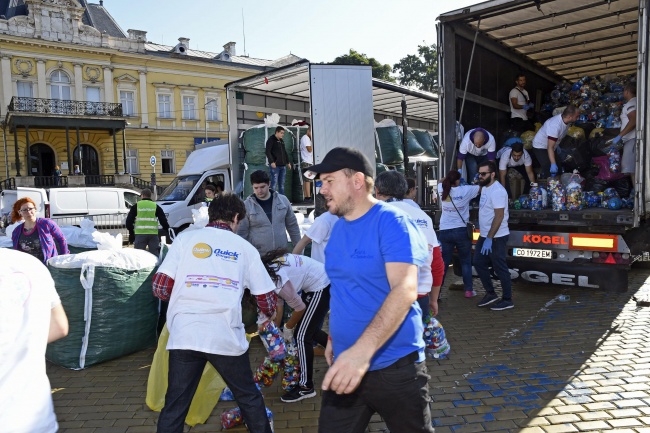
(278, 159)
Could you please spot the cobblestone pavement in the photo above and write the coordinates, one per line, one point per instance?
(546, 366)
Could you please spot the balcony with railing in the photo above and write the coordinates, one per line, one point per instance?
(21, 104)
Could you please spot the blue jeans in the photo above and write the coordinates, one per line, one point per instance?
(498, 260)
(471, 165)
(185, 369)
(457, 237)
(278, 174)
(398, 393)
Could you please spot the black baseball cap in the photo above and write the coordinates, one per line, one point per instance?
(340, 158)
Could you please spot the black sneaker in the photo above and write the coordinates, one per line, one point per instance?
(488, 299)
(297, 394)
(502, 305)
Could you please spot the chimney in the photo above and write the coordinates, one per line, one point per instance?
(101, 2)
(230, 48)
(138, 35)
(182, 46)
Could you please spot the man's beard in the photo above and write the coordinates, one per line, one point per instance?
(485, 181)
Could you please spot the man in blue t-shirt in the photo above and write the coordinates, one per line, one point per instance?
(376, 350)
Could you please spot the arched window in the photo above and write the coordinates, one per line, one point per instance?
(60, 85)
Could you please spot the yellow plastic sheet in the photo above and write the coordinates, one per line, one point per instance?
(206, 396)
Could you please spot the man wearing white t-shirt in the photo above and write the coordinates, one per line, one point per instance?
(204, 276)
(477, 146)
(628, 131)
(318, 232)
(519, 106)
(518, 159)
(548, 137)
(391, 186)
(31, 316)
(491, 247)
(306, 160)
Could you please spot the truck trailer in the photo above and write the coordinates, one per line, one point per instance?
(481, 49)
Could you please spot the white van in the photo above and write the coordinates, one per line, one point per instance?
(68, 206)
(209, 164)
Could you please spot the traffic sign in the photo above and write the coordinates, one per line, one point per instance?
(152, 161)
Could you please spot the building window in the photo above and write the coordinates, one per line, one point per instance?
(189, 107)
(24, 89)
(60, 86)
(212, 111)
(93, 94)
(167, 160)
(127, 99)
(132, 165)
(165, 105)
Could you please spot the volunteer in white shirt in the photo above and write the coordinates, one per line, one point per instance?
(318, 232)
(548, 137)
(306, 277)
(492, 244)
(452, 232)
(31, 316)
(477, 146)
(519, 106)
(204, 276)
(307, 160)
(515, 157)
(391, 186)
(628, 131)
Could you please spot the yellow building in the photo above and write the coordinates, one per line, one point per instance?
(76, 90)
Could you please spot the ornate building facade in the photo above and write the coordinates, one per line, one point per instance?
(78, 91)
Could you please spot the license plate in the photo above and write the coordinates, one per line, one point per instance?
(528, 252)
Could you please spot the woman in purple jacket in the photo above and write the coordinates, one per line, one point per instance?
(39, 237)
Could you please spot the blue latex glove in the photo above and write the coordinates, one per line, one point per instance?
(553, 169)
(460, 171)
(528, 106)
(487, 246)
(616, 139)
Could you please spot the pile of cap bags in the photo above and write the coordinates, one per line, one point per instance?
(586, 149)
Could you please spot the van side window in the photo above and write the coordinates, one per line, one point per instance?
(130, 199)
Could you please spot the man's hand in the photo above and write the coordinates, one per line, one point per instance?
(616, 139)
(289, 165)
(433, 305)
(273, 165)
(329, 353)
(487, 246)
(553, 169)
(287, 334)
(344, 376)
(460, 171)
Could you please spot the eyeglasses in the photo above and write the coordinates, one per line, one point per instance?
(484, 173)
(29, 209)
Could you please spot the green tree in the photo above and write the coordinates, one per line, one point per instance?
(355, 58)
(419, 70)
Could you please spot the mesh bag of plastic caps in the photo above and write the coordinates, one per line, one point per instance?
(436, 344)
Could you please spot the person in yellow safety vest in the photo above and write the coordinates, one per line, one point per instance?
(142, 222)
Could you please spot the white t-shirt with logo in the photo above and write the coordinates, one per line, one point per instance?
(305, 274)
(211, 268)
(466, 145)
(462, 195)
(552, 128)
(521, 101)
(493, 197)
(26, 303)
(505, 159)
(629, 106)
(305, 155)
(424, 223)
(319, 233)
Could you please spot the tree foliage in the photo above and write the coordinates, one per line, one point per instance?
(355, 58)
(419, 70)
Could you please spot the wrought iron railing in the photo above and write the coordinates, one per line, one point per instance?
(100, 180)
(65, 107)
(8, 184)
(50, 181)
(142, 184)
(111, 223)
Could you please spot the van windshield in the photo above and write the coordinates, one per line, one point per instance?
(180, 188)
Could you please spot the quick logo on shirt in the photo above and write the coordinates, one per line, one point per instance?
(203, 251)
(360, 254)
(226, 255)
(422, 223)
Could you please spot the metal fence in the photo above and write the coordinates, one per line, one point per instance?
(100, 180)
(50, 181)
(110, 223)
(8, 184)
(142, 184)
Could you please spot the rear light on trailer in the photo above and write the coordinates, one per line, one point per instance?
(593, 242)
(610, 258)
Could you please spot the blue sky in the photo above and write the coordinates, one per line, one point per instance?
(319, 30)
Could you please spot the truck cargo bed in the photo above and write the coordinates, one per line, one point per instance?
(591, 217)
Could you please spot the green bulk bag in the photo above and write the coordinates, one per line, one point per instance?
(390, 145)
(110, 306)
(412, 145)
(426, 142)
(380, 168)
